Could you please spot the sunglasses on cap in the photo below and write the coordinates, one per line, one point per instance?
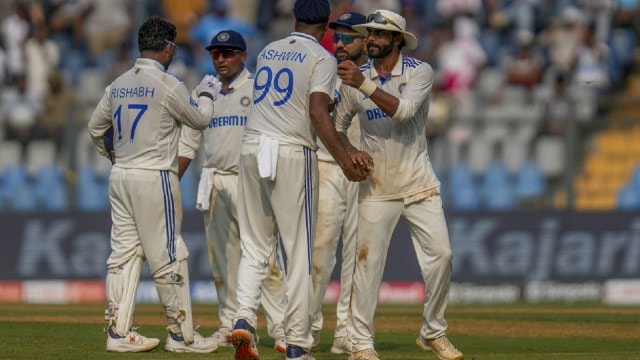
(226, 53)
(346, 38)
(381, 19)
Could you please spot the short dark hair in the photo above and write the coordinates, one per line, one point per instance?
(154, 34)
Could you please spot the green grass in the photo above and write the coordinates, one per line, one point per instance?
(500, 332)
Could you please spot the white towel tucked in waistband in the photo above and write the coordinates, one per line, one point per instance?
(268, 157)
(205, 186)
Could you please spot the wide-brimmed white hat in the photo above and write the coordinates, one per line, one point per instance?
(388, 20)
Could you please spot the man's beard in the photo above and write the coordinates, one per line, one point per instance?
(382, 51)
(344, 55)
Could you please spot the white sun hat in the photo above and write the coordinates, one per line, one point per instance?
(388, 20)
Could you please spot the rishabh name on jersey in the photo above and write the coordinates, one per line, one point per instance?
(399, 149)
(288, 70)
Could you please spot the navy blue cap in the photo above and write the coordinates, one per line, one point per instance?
(311, 11)
(227, 39)
(348, 20)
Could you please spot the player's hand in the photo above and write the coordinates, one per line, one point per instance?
(209, 86)
(359, 168)
(362, 160)
(350, 74)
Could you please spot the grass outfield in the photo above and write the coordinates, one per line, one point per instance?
(482, 332)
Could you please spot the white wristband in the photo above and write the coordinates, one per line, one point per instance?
(368, 87)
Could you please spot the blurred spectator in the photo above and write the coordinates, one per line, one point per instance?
(367, 7)
(66, 21)
(524, 66)
(600, 13)
(107, 25)
(592, 65)
(562, 40)
(460, 58)
(281, 26)
(42, 56)
(212, 23)
(57, 108)
(15, 30)
(558, 106)
(451, 9)
(21, 109)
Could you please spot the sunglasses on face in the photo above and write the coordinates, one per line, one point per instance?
(175, 47)
(225, 53)
(381, 19)
(346, 38)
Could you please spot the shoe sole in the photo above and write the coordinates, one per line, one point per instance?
(281, 349)
(339, 351)
(241, 340)
(126, 349)
(189, 350)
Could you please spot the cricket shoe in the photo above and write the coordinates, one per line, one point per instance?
(316, 340)
(132, 342)
(297, 353)
(366, 354)
(281, 344)
(440, 346)
(341, 345)
(175, 343)
(221, 337)
(244, 341)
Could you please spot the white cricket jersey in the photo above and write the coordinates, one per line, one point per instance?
(146, 107)
(222, 138)
(288, 71)
(398, 146)
(353, 133)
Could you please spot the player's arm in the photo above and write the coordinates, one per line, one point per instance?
(192, 112)
(343, 115)
(398, 108)
(100, 122)
(322, 122)
(187, 148)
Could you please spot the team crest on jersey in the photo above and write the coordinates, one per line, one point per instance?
(245, 101)
(223, 37)
(401, 87)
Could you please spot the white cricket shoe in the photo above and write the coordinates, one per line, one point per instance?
(281, 344)
(132, 342)
(244, 340)
(175, 343)
(366, 354)
(221, 338)
(440, 346)
(341, 345)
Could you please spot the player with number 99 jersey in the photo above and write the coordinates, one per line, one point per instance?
(282, 87)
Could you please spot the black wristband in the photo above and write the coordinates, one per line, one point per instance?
(206, 94)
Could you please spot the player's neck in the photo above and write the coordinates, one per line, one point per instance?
(384, 66)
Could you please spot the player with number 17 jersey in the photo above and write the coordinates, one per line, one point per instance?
(282, 86)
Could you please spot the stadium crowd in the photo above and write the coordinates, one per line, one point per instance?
(518, 93)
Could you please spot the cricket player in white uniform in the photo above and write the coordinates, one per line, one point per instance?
(390, 95)
(146, 108)
(278, 175)
(218, 186)
(338, 202)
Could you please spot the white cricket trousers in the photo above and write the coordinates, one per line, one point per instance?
(223, 245)
(337, 219)
(146, 211)
(265, 207)
(430, 238)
